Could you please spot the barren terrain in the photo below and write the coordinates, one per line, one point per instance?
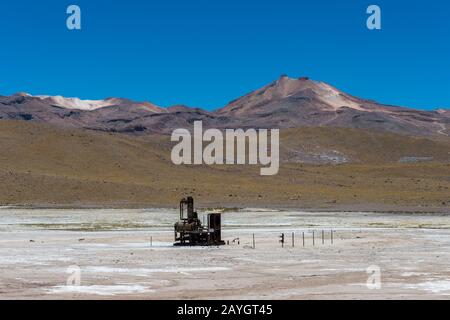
(124, 254)
(321, 168)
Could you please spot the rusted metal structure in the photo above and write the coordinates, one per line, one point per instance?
(189, 231)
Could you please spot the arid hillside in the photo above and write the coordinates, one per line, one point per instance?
(44, 165)
(283, 103)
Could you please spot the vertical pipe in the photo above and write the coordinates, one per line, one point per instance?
(314, 240)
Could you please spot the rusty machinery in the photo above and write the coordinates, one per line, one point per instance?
(189, 231)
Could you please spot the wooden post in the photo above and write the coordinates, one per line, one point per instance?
(314, 240)
(254, 247)
(331, 236)
(293, 240)
(151, 241)
(323, 237)
(303, 235)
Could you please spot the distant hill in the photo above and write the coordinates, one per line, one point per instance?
(46, 165)
(284, 103)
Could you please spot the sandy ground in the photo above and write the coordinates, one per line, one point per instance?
(128, 254)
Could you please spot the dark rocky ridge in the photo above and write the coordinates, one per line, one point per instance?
(285, 103)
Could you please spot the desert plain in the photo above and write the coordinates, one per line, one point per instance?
(128, 254)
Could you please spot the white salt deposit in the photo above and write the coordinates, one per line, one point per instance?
(148, 271)
(439, 286)
(101, 290)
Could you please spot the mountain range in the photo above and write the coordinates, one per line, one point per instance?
(337, 152)
(284, 103)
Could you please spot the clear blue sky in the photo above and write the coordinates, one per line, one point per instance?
(207, 52)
